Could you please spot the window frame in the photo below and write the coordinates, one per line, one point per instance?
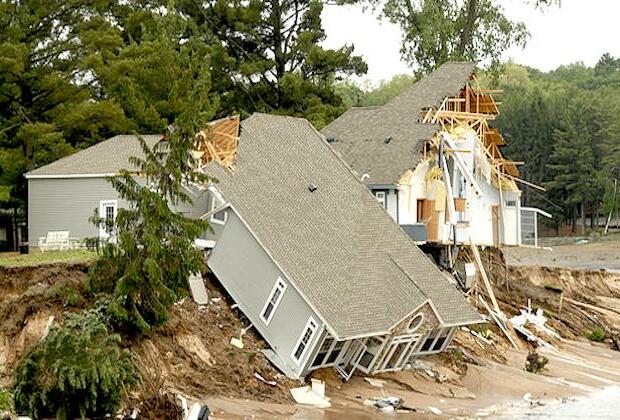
(279, 281)
(103, 204)
(383, 201)
(215, 203)
(311, 325)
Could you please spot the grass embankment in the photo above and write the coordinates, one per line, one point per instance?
(13, 259)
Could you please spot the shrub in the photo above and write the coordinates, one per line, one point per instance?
(78, 370)
(69, 296)
(596, 334)
(535, 363)
(6, 402)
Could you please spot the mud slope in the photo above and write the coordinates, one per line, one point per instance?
(190, 355)
(30, 297)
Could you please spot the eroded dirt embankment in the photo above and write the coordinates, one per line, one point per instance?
(190, 355)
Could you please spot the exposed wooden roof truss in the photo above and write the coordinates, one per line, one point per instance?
(218, 142)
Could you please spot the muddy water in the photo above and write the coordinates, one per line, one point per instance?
(603, 404)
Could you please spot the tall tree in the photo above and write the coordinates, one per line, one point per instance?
(138, 269)
(436, 31)
(267, 56)
(45, 103)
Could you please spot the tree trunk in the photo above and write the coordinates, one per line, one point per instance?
(583, 217)
(468, 28)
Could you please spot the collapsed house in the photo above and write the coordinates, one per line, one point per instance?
(301, 245)
(433, 161)
(317, 266)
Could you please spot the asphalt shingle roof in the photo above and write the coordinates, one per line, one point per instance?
(359, 271)
(104, 158)
(360, 133)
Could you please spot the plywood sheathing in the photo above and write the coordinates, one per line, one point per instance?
(218, 142)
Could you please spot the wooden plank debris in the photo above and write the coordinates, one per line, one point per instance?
(218, 142)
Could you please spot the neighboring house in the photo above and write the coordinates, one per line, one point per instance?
(432, 160)
(63, 195)
(300, 244)
(317, 266)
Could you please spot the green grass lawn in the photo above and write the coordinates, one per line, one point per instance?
(14, 259)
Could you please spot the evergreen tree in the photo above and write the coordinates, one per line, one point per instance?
(78, 371)
(268, 56)
(147, 266)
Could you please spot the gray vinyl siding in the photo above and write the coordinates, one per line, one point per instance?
(248, 273)
(66, 204)
(58, 204)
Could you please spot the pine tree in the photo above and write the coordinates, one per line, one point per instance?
(79, 370)
(147, 267)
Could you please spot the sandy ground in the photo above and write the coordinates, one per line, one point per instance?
(488, 390)
(590, 256)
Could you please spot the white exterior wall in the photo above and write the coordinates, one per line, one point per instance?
(392, 204)
(478, 218)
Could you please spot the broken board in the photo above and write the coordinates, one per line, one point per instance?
(198, 289)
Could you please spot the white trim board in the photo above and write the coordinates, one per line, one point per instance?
(61, 176)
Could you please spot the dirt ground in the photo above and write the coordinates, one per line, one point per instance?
(192, 355)
(590, 256)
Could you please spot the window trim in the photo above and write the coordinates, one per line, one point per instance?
(313, 326)
(215, 203)
(383, 201)
(103, 233)
(278, 282)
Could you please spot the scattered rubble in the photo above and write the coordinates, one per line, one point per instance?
(311, 395)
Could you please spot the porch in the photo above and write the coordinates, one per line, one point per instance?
(377, 354)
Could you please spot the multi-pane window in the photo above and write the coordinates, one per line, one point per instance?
(107, 211)
(304, 340)
(380, 196)
(273, 301)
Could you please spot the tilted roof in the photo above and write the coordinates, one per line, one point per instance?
(360, 133)
(105, 158)
(358, 270)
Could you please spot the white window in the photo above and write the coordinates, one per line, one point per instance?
(107, 211)
(304, 340)
(380, 195)
(274, 300)
(221, 216)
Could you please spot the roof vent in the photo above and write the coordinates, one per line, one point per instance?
(312, 187)
(331, 139)
(387, 140)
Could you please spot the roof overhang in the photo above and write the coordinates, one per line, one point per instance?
(61, 176)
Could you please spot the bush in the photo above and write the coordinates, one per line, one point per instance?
(535, 363)
(6, 402)
(596, 334)
(69, 296)
(78, 370)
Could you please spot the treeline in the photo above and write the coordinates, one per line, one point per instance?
(75, 72)
(564, 125)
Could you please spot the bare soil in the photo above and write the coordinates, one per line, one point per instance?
(192, 355)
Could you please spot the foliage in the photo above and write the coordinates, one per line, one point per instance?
(562, 125)
(596, 334)
(269, 56)
(138, 267)
(535, 363)
(6, 402)
(78, 370)
(437, 31)
(69, 295)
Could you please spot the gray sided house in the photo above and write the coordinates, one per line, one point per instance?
(302, 246)
(63, 195)
(321, 271)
